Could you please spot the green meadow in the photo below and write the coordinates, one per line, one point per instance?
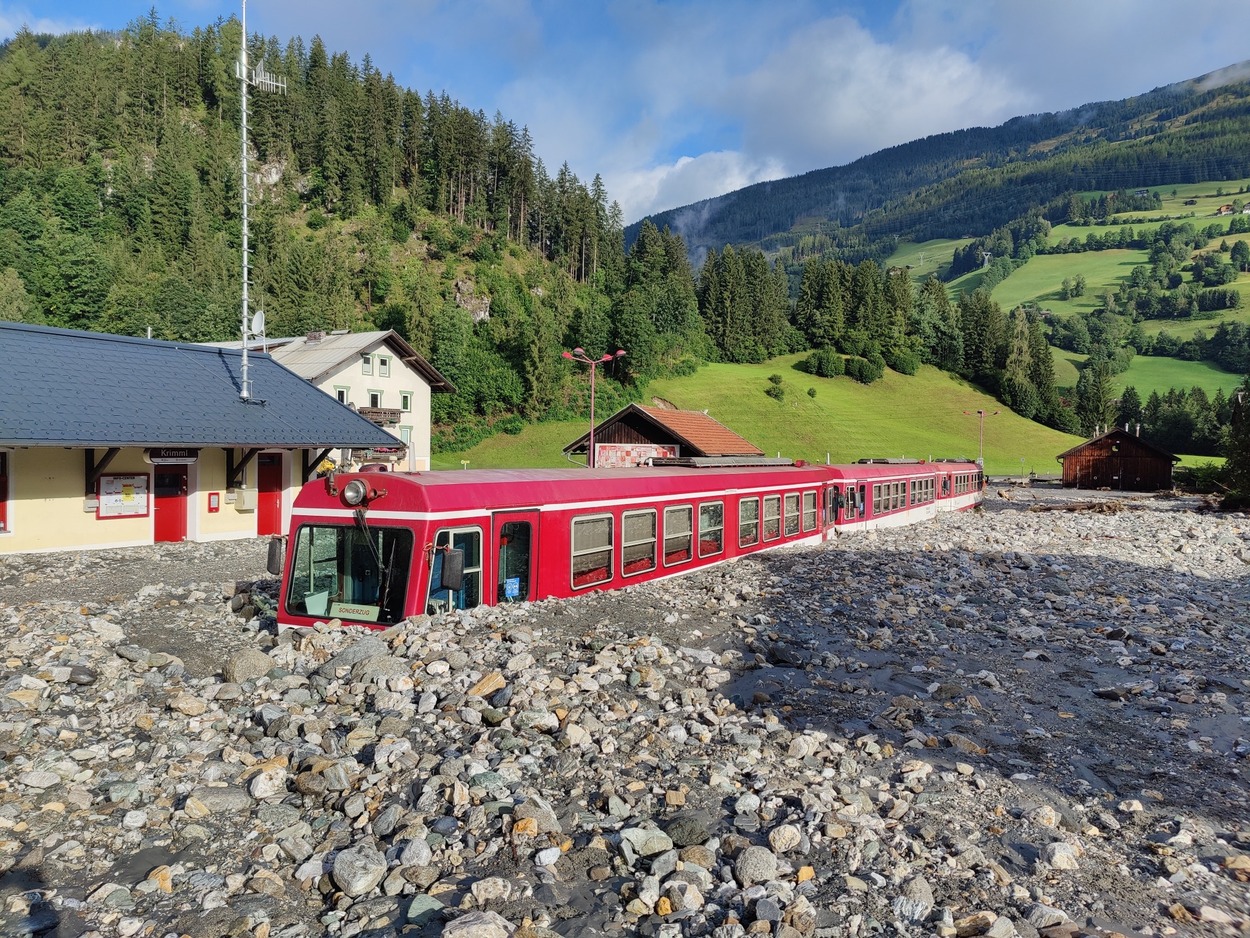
(920, 417)
(1148, 373)
(926, 258)
(1041, 278)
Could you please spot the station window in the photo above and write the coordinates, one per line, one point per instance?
(678, 534)
(592, 550)
(711, 528)
(375, 398)
(772, 517)
(366, 364)
(341, 394)
(809, 511)
(405, 401)
(748, 522)
(792, 514)
(384, 367)
(637, 542)
(469, 595)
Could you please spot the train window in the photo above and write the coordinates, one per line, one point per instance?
(772, 517)
(342, 570)
(876, 499)
(809, 511)
(748, 522)
(863, 499)
(592, 550)
(792, 513)
(678, 534)
(900, 495)
(711, 528)
(469, 595)
(637, 542)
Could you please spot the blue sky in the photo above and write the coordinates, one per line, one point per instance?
(672, 101)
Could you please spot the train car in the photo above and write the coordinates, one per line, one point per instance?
(373, 548)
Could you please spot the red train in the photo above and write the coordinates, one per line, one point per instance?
(373, 548)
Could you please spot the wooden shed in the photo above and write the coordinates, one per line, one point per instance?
(636, 434)
(1120, 461)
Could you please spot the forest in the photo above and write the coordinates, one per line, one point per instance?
(380, 207)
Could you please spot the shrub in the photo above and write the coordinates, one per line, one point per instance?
(903, 361)
(811, 392)
(511, 425)
(824, 363)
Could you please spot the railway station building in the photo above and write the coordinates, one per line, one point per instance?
(636, 434)
(112, 441)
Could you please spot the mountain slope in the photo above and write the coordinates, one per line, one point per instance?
(970, 181)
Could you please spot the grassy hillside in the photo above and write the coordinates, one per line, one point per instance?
(1148, 373)
(918, 417)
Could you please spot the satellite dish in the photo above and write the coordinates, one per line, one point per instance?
(258, 323)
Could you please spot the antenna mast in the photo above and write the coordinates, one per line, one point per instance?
(265, 82)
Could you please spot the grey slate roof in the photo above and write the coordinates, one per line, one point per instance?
(318, 359)
(59, 387)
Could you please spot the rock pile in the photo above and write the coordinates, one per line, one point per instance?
(1001, 723)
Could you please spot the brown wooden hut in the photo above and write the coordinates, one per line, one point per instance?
(636, 434)
(1120, 461)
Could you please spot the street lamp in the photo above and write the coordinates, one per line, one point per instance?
(579, 355)
(981, 442)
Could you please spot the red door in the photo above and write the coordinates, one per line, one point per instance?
(269, 494)
(171, 503)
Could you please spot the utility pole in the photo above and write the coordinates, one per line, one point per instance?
(255, 77)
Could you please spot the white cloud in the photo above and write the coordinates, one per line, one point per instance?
(14, 18)
(834, 94)
(653, 189)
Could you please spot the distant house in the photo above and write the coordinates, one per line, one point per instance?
(112, 441)
(1191, 201)
(379, 375)
(636, 435)
(1118, 460)
(1224, 210)
(1140, 192)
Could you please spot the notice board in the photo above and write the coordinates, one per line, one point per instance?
(123, 496)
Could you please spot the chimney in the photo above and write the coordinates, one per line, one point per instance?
(314, 337)
(1139, 428)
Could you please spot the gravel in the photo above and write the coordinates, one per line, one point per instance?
(1031, 719)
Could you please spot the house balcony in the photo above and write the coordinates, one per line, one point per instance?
(381, 416)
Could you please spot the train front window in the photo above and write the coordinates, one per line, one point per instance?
(440, 599)
(350, 572)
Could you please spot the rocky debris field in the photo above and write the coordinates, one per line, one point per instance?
(1032, 719)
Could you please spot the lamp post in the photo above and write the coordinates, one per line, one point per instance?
(579, 355)
(981, 436)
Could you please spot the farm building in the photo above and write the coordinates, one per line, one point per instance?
(1117, 460)
(636, 434)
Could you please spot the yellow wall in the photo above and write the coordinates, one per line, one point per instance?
(46, 500)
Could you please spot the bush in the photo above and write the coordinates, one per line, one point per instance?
(316, 220)
(824, 363)
(774, 389)
(904, 362)
(811, 392)
(511, 425)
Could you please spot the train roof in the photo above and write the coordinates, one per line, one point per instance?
(476, 489)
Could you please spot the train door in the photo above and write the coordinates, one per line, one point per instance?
(516, 540)
(269, 494)
(170, 502)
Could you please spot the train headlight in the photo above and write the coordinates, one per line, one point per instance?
(355, 492)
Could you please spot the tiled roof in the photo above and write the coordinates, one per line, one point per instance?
(710, 437)
(319, 358)
(696, 432)
(65, 388)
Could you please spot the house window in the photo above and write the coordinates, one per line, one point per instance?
(405, 435)
(341, 394)
(384, 367)
(375, 398)
(405, 401)
(4, 493)
(366, 364)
